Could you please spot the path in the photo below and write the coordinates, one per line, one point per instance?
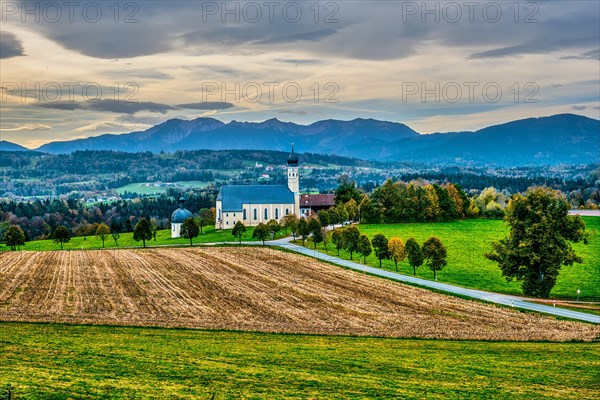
(497, 298)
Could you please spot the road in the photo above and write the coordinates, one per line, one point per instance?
(497, 298)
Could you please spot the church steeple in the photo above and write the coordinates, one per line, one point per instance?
(294, 179)
(292, 158)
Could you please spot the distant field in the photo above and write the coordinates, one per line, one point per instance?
(163, 238)
(46, 361)
(248, 288)
(468, 240)
(148, 188)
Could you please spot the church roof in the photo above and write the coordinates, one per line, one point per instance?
(235, 196)
(317, 200)
(180, 215)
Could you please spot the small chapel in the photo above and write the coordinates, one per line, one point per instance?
(253, 204)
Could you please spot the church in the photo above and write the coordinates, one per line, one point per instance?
(253, 204)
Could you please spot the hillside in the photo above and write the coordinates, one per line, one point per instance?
(255, 289)
(558, 139)
(8, 146)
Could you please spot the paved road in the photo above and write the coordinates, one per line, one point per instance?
(507, 300)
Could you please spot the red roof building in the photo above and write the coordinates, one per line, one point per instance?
(313, 203)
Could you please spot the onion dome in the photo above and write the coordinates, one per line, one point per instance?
(292, 158)
(181, 214)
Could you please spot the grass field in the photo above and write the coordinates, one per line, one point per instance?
(468, 240)
(79, 362)
(249, 288)
(147, 188)
(163, 238)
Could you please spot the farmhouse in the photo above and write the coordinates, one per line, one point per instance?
(177, 218)
(313, 203)
(253, 204)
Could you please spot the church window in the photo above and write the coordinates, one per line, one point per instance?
(266, 214)
(244, 214)
(255, 213)
(287, 211)
(277, 213)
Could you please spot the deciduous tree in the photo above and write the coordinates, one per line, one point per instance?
(61, 235)
(539, 242)
(434, 253)
(142, 231)
(414, 254)
(350, 240)
(190, 229)
(14, 237)
(239, 230)
(380, 245)
(397, 250)
(102, 232)
(364, 247)
(261, 232)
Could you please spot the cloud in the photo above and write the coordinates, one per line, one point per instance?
(579, 108)
(209, 105)
(588, 55)
(27, 127)
(298, 61)
(111, 126)
(121, 107)
(311, 36)
(126, 107)
(10, 46)
(302, 113)
(65, 106)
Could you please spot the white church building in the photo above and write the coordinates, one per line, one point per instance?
(253, 204)
(177, 218)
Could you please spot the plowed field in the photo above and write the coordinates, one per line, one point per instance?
(248, 288)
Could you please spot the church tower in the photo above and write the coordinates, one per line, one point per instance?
(294, 179)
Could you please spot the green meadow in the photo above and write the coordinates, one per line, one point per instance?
(46, 361)
(467, 241)
(163, 238)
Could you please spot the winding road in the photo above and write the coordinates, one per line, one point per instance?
(497, 298)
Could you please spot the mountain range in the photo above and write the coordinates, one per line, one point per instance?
(557, 139)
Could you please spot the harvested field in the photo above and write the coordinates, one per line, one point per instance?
(248, 288)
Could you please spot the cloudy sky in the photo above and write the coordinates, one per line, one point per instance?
(72, 70)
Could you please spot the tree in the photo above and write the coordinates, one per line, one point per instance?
(539, 241)
(116, 235)
(327, 240)
(434, 252)
(414, 254)
(352, 208)
(334, 216)
(337, 238)
(364, 247)
(303, 229)
(189, 229)
(14, 237)
(261, 232)
(290, 222)
(347, 190)
(397, 251)
(351, 235)
(61, 235)
(142, 231)
(102, 232)
(314, 226)
(324, 218)
(274, 227)
(154, 227)
(343, 213)
(380, 245)
(206, 218)
(239, 230)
